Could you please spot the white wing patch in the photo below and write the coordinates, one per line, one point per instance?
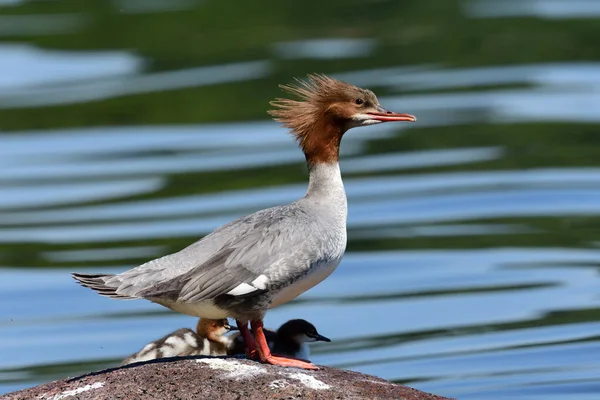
(259, 283)
(242, 289)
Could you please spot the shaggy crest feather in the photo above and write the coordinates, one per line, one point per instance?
(315, 94)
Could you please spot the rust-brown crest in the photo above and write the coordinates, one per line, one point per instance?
(317, 130)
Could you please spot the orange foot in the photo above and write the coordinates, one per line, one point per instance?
(290, 362)
(291, 358)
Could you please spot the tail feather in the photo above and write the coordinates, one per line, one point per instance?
(97, 282)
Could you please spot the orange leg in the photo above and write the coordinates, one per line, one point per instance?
(265, 355)
(249, 342)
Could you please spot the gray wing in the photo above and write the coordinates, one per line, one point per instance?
(247, 257)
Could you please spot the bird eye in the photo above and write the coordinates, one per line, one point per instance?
(359, 101)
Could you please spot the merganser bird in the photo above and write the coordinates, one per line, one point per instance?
(208, 340)
(270, 257)
(290, 340)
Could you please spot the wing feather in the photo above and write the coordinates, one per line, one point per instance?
(262, 248)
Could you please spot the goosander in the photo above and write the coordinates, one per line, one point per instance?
(208, 340)
(290, 340)
(268, 258)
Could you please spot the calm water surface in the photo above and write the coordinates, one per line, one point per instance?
(472, 263)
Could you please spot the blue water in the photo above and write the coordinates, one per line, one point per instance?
(472, 265)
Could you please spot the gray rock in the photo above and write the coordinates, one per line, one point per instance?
(219, 378)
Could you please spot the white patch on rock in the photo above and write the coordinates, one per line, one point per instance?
(74, 392)
(235, 368)
(279, 384)
(308, 381)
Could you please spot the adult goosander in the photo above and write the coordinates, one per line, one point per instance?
(208, 340)
(290, 340)
(270, 257)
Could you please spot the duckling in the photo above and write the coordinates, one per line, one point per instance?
(290, 340)
(208, 340)
(293, 336)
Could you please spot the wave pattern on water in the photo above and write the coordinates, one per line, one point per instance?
(472, 265)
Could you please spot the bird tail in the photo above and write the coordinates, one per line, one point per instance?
(98, 283)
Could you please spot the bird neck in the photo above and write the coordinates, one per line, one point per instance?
(325, 182)
(320, 143)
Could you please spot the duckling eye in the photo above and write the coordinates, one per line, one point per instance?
(359, 101)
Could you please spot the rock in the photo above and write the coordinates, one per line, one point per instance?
(219, 378)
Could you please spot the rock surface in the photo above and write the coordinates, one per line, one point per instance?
(219, 378)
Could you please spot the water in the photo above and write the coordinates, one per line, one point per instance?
(547, 9)
(472, 263)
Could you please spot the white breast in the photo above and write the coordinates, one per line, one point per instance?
(304, 352)
(203, 309)
(297, 288)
